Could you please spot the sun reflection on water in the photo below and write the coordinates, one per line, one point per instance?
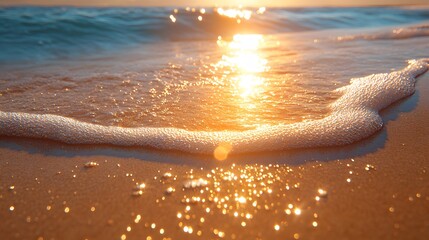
(244, 60)
(235, 13)
(239, 14)
(246, 42)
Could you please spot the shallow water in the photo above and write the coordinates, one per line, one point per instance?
(229, 72)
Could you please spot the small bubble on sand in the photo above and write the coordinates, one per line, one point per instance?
(140, 186)
(167, 175)
(138, 218)
(322, 193)
(138, 189)
(91, 164)
(170, 190)
(369, 167)
(137, 193)
(194, 183)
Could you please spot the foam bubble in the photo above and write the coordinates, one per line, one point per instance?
(354, 117)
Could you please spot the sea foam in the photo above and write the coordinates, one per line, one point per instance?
(354, 116)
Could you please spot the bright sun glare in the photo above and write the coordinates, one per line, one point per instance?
(242, 56)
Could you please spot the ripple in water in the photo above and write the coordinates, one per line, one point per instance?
(236, 88)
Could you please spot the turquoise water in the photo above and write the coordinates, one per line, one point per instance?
(34, 33)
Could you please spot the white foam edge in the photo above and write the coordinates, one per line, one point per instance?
(354, 116)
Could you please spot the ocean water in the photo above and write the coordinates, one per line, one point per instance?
(204, 80)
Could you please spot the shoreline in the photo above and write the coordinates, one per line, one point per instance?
(354, 116)
(375, 189)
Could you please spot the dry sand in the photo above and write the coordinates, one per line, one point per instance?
(375, 189)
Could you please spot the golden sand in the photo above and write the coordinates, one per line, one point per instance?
(375, 189)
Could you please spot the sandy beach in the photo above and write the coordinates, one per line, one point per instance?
(375, 189)
(222, 122)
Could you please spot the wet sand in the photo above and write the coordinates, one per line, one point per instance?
(374, 189)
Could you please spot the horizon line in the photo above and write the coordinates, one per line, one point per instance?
(213, 6)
